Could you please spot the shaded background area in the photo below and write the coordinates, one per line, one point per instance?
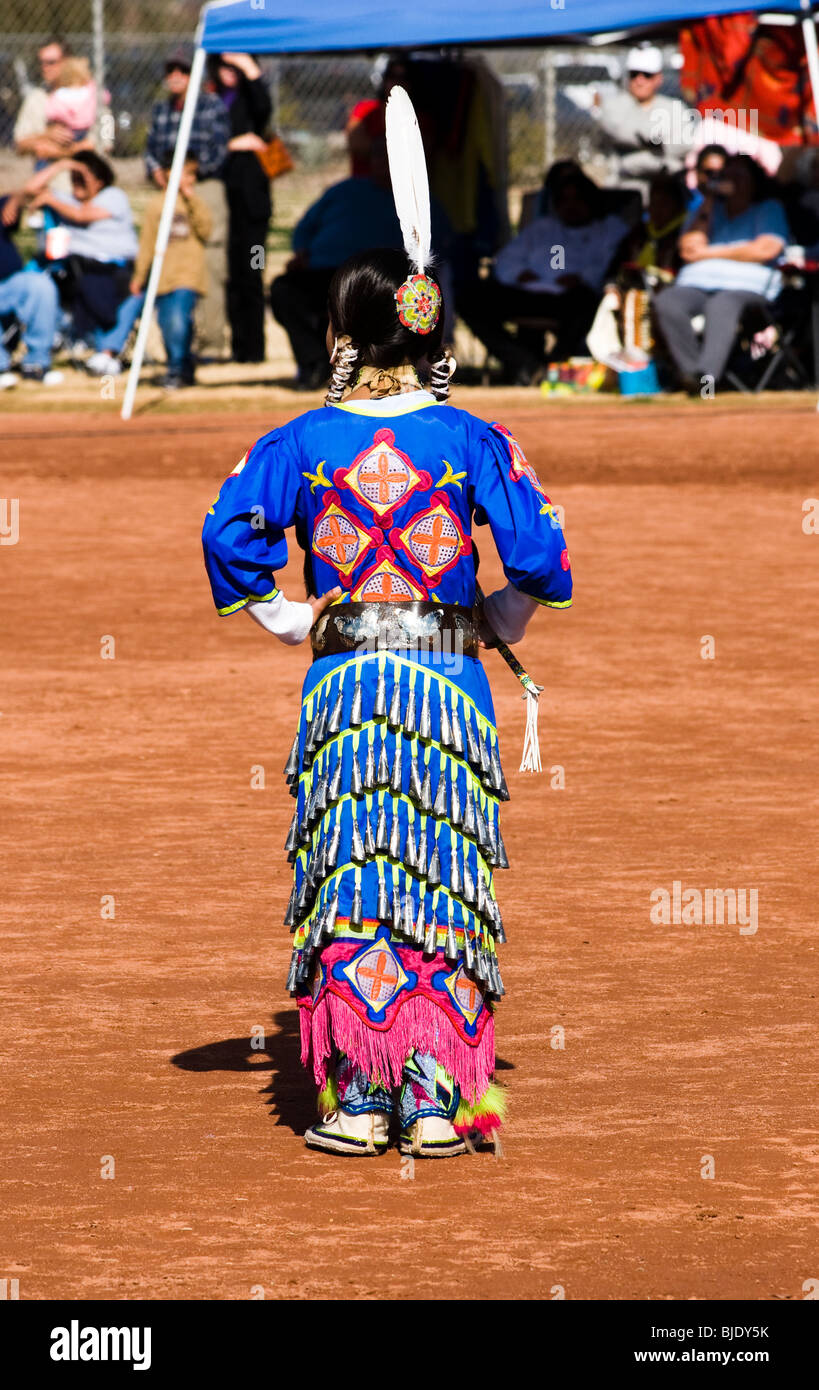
(131, 1037)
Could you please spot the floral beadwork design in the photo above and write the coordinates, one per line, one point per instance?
(419, 303)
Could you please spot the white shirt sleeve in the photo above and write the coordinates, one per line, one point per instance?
(508, 611)
(290, 622)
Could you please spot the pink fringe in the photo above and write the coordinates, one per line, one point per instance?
(418, 1024)
(484, 1123)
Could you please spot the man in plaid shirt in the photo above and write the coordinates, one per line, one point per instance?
(208, 146)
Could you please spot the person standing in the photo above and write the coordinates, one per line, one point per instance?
(243, 92)
(643, 127)
(208, 145)
(43, 136)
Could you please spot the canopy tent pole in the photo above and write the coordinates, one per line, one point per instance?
(164, 230)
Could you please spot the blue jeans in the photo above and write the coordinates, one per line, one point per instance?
(31, 296)
(175, 313)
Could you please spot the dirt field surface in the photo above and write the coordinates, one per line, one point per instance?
(688, 1049)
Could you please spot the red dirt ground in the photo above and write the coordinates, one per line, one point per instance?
(131, 777)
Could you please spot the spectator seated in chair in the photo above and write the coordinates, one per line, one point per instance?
(102, 242)
(729, 248)
(553, 272)
(28, 302)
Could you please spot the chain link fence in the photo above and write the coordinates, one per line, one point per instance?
(549, 93)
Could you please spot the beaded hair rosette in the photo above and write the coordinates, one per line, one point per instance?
(419, 303)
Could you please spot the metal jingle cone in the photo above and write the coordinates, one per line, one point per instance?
(294, 786)
(355, 708)
(332, 913)
(334, 789)
(369, 840)
(408, 921)
(321, 731)
(397, 770)
(382, 775)
(292, 836)
(321, 860)
(291, 974)
(381, 837)
(395, 836)
(472, 750)
(302, 896)
(486, 762)
(357, 849)
(304, 964)
(457, 732)
(394, 716)
(410, 851)
(480, 825)
(356, 780)
(316, 929)
(455, 882)
(409, 713)
(426, 791)
(446, 727)
(434, 870)
(501, 859)
(480, 903)
(420, 924)
(415, 788)
(291, 767)
(499, 979)
(431, 939)
(328, 925)
(425, 718)
(480, 963)
(290, 914)
(455, 803)
(421, 854)
(469, 884)
(500, 934)
(439, 805)
(469, 954)
(469, 823)
(451, 947)
(396, 911)
(334, 722)
(321, 795)
(382, 911)
(356, 918)
(495, 774)
(332, 853)
(369, 767)
(380, 702)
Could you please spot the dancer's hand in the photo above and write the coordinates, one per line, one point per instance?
(318, 605)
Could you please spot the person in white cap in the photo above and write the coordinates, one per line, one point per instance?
(643, 127)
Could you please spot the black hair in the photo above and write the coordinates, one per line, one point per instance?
(361, 303)
(97, 166)
(762, 185)
(707, 151)
(56, 42)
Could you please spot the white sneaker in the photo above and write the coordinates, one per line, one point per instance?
(53, 378)
(342, 1133)
(431, 1137)
(8, 379)
(103, 364)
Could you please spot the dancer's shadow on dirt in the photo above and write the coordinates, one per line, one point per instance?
(292, 1097)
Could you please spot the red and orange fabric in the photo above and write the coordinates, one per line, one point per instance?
(734, 63)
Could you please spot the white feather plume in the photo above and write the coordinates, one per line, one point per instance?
(408, 173)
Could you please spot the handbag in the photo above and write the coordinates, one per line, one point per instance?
(275, 158)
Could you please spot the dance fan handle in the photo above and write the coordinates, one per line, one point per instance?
(530, 762)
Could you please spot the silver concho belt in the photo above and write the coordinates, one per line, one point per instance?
(427, 627)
